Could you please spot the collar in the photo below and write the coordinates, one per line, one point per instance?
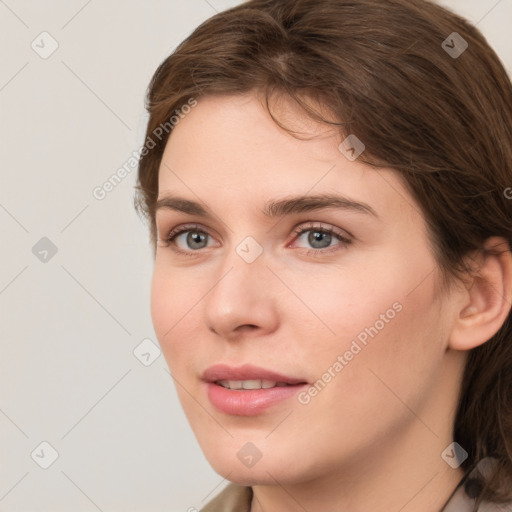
(236, 498)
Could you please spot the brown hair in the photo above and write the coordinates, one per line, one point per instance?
(443, 122)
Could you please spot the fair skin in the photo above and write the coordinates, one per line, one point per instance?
(372, 438)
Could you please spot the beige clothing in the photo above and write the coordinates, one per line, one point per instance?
(235, 498)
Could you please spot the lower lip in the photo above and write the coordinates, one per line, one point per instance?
(251, 401)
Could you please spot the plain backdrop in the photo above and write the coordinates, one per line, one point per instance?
(75, 270)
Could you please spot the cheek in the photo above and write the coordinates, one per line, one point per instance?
(176, 305)
(169, 304)
(385, 316)
(389, 336)
(339, 304)
(161, 303)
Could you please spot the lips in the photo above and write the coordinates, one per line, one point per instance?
(248, 390)
(247, 372)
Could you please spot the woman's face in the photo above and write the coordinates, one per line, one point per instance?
(296, 265)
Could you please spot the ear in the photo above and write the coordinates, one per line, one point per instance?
(487, 299)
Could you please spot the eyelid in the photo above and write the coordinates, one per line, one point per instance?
(187, 227)
(322, 226)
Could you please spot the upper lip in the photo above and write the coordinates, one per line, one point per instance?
(246, 372)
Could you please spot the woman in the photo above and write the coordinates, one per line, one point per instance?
(326, 183)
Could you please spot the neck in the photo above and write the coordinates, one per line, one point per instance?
(408, 475)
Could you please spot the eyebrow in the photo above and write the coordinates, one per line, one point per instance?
(276, 208)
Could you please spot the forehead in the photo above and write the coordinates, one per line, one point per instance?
(228, 126)
(229, 150)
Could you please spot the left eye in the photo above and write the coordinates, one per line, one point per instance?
(320, 238)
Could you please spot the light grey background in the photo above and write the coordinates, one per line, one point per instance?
(69, 326)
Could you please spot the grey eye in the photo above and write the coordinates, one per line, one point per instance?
(319, 239)
(196, 240)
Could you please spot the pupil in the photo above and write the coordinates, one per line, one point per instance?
(319, 240)
(195, 239)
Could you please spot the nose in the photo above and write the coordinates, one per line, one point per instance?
(242, 302)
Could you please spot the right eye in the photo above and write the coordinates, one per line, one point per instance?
(187, 239)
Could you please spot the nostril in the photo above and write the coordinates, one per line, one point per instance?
(245, 327)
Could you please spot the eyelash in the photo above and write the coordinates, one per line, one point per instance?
(173, 234)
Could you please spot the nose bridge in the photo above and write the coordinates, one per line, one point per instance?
(241, 294)
(241, 278)
(243, 267)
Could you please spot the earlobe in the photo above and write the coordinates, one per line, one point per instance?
(487, 301)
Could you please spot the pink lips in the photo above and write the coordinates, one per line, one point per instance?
(240, 402)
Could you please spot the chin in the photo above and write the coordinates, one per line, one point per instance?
(257, 475)
(235, 464)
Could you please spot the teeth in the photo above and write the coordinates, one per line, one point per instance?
(232, 384)
(250, 384)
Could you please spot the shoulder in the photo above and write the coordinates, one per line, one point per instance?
(234, 498)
